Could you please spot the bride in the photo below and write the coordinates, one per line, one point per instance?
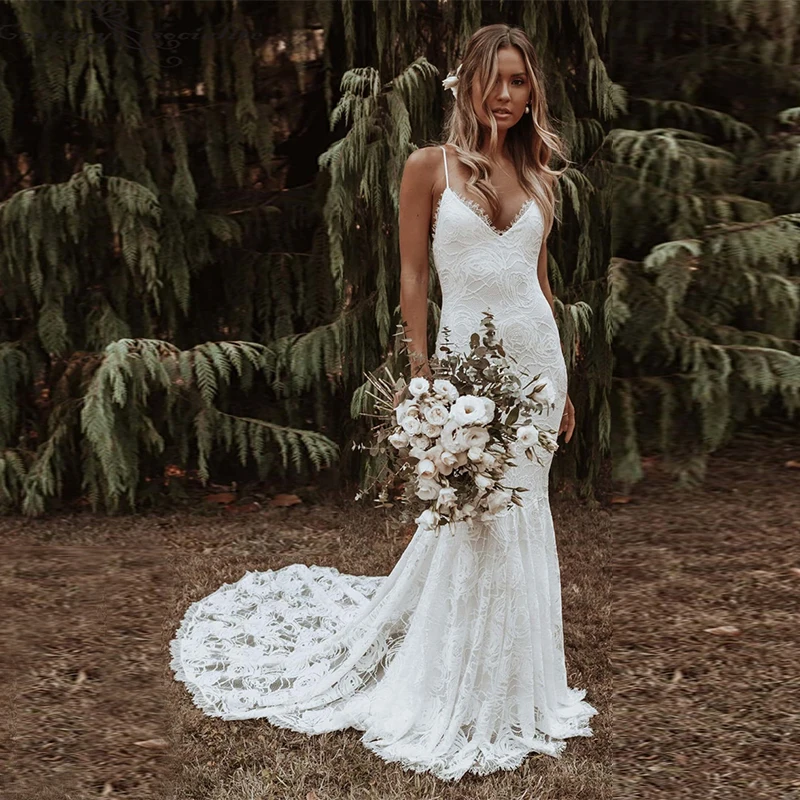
(454, 662)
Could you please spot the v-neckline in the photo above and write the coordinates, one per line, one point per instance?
(481, 214)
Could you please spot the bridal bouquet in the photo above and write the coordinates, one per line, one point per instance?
(449, 442)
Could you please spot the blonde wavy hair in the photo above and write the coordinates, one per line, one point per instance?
(531, 143)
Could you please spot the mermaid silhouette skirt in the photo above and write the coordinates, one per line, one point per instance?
(454, 662)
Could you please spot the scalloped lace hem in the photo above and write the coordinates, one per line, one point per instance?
(474, 759)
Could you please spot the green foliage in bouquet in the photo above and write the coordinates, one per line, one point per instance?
(484, 371)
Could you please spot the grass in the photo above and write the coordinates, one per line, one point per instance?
(91, 706)
(701, 714)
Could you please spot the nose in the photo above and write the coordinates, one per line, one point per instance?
(503, 93)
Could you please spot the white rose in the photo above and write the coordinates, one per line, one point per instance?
(420, 440)
(445, 462)
(468, 410)
(399, 439)
(427, 519)
(436, 414)
(527, 435)
(452, 437)
(476, 437)
(410, 425)
(407, 408)
(426, 468)
(488, 460)
(418, 386)
(447, 497)
(434, 452)
(544, 393)
(475, 454)
(498, 501)
(448, 458)
(489, 408)
(431, 431)
(418, 453)
(483, 482)
(444, 469)
(461, 458)
(427, 489)
(445, 389)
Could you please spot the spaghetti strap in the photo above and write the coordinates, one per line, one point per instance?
(446, 178)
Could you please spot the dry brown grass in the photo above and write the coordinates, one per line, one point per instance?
(702, 715)
(93, 601)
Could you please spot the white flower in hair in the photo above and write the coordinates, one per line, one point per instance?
(451, 81)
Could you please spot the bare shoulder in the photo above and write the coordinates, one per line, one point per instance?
(420, 164)
(421, 176)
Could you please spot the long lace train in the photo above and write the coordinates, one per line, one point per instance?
(452, 663)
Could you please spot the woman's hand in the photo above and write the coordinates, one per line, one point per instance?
(397, 397)
(567, 420)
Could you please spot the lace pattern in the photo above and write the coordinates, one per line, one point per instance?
(451, 664)
(480, 212)
(454, 662)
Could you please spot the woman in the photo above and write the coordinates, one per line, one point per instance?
(454, 662)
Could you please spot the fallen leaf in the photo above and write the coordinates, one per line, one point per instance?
(312, 795)
(285, 500)
(222, 497)
(795, 571)
(246, 508)
(621, 498)
(108, 787)
(153, 744)
(724, 630)
(792, 464)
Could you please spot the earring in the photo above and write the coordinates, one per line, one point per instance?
(527, 109)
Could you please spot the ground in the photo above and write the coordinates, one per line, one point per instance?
(90, 708)
(699, 713)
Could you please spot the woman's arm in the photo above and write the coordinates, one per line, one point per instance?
(416, 203)
(567, 424)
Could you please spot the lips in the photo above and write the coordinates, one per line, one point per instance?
(502, 113)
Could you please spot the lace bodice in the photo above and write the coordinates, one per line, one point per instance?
(482, 268)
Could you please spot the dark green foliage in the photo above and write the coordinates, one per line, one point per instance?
(174, 286)
(704, 293)
(135, 223)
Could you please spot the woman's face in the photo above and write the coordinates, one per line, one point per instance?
(511, 91)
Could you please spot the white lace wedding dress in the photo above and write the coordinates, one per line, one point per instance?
(454, 663)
